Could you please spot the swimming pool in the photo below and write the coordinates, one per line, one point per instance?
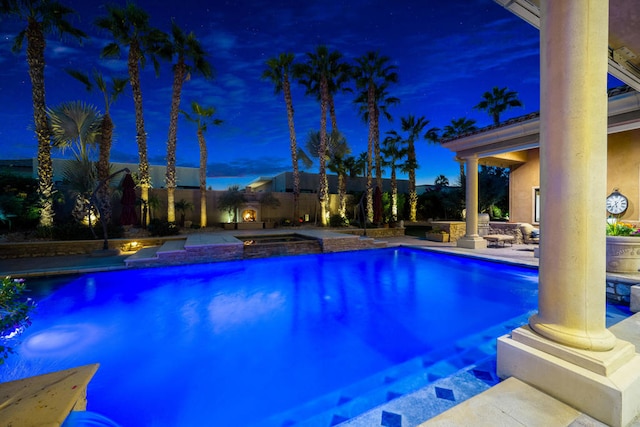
(237, 343)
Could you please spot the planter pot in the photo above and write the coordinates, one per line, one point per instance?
(437, 237)
(229, 225)
(623, 254)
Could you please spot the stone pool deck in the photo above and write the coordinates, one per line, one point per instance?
(469, 394)
(83, 263)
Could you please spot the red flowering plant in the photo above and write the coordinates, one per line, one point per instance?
(14, 313)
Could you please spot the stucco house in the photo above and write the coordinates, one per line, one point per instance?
(515, 144)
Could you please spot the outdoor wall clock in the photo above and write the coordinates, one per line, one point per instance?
(616, 203)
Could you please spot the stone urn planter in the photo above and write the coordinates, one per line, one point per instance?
(623, 254)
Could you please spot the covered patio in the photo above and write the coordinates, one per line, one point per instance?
(566, 350)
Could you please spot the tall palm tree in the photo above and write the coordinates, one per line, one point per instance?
(337, 149)
(278, 71)
(129, 27)
(373, 74)
(498, 101)
(459, 127)
(413, 129)
(76, 126)
(190, 58)
(110, 92)
(314, 75)
(202, 117)
(393, 154)
(42, 17)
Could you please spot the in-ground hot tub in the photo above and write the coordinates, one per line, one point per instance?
(260, 246)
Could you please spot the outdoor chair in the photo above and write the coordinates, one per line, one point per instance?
(530, 235)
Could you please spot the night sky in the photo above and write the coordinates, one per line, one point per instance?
(448, 53)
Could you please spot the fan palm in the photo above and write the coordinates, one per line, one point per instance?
(278, 71)
(202, 117)
(76, 126)
(129, 27)
(42, 17)
(190, 58)
(110, 93)
(373, 74)
(497, 102)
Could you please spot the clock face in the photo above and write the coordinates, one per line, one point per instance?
(616, 203)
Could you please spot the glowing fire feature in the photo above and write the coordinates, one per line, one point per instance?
(249, 215)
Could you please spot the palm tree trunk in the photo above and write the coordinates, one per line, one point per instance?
(376, 147)
(103, 168)
(35, 60)
(294, 148)
(413, 196)
(332, 114)
(322, 152)
(394, 194)
(141, 136)
(178, 78)
(203, 178)
(371, 97)
(342, 192)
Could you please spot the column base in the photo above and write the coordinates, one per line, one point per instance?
(471, 242)
(603, 385)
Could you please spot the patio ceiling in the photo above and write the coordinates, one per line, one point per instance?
(624, 34)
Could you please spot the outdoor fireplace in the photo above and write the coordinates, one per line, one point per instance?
(249, 215)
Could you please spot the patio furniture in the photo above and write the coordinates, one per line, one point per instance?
(499, 240)
(530, 235)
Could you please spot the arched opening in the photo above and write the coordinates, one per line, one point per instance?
(249, 215)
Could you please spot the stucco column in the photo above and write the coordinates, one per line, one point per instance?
(471, 240)
(573, 172)
(566, 350)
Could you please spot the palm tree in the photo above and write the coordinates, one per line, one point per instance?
(441, 181)
(190, 58)
(314, 75)
(76, 125)
(278, 71)
(373, 74)
(183, 206)
(110, 93)
(413, 128)
(393, 154)
(129, 26)
(498, 101)
(202, 117)
(459, 127)
(42, 17)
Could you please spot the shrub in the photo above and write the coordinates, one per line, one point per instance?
(14, 313)
(159, 228)
(337, 220)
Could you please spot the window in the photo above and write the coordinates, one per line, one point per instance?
(536, 205)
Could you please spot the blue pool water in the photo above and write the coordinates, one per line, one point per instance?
(236, 343)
